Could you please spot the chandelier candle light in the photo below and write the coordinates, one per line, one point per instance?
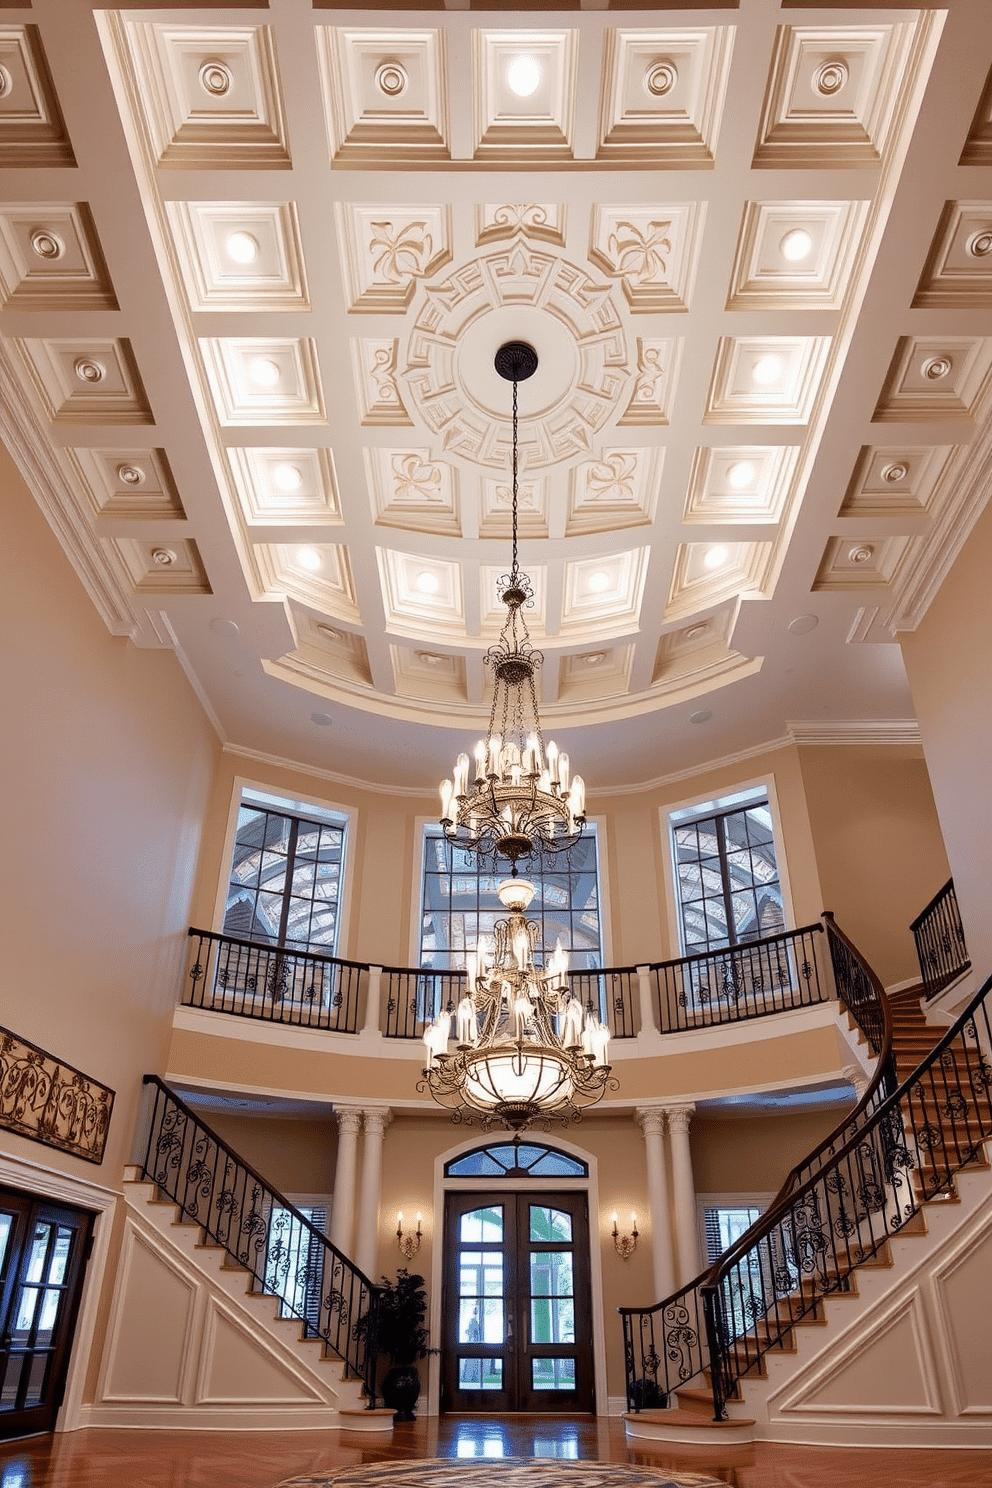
(521, 801)
(525, 1048)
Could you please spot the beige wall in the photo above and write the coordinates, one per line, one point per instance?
(878, 846)
(753, 1154)
(106, 759)
(949, 664)
(297, 1156)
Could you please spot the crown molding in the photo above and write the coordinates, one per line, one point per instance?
(855, 731)
(317, 772)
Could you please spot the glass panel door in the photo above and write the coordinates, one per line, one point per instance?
(42, 1255)
(517, 1314)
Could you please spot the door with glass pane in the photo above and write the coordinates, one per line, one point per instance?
(517, 1311)
(42, 1257)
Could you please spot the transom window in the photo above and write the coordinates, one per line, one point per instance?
(285, 881)
(460, 905)
(516, 1160)
(726, 872)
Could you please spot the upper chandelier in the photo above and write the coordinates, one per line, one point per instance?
(522, 802)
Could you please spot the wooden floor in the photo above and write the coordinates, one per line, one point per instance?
(209, 1459)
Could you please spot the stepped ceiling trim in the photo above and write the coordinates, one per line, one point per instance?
(735, 356)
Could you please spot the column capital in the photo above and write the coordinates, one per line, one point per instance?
(349, 1119)
(679, 1117)
(376, 1119)
(651, 1120)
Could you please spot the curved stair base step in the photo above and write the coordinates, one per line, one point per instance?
(687, 1427)
(379, 1419)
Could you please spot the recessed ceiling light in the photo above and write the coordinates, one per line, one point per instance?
(223, 627)
(263, 371)
(428, 582)
(715, 557)
(322, 718)
(524, 76)
(703, 716)
(796, 245)
(309, 558)
(599, 581)
(740, 475)
(803, 624)
(766, 370)
(241, 247)
(287, 477)
(594, 658)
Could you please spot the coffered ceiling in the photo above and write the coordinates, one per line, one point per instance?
(254, 267)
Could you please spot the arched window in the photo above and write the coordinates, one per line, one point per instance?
(516, 1160)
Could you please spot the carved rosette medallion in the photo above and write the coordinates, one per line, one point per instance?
(573, 321)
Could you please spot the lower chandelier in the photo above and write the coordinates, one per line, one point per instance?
(525, 1048)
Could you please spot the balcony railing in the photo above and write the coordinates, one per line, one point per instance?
(744, 981)
(227, 975)
(284, 1253)
(239, 977)
(940, 944)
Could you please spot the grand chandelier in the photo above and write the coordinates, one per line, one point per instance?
(525, 1047)
(521, 802)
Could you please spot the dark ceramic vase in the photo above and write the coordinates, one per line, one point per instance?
(401, 1390)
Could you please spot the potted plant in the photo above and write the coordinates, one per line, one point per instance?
(403, 1338)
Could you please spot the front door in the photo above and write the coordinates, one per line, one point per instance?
(43, 1251)
(517, 1308)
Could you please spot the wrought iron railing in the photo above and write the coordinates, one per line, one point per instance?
(665, 1345)
(940, 943)
(284, 1253)
(227, 975)
(743, 981)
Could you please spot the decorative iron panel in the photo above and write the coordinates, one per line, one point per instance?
(49, 1101)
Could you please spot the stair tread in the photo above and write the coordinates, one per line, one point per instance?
(686, 1418)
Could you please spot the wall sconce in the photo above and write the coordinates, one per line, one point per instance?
(625, 1245)
(408, 1244)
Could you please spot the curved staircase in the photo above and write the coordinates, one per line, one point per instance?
(837, 1255)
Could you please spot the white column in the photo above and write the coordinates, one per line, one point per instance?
(652, 1122)
(376, 1118)
(343, 1208)
(683, 1193)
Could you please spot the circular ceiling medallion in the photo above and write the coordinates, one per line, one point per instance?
(391, 79)
(163, 557)
(519, 294)
(47, 244)
(661, 77)
(131, 475)
(862, 553)
(803, 624)
(830, 77)
(980, 243)
(895, 473)
(936, 368)
(6, 82)
(88, 370)
(216, 78)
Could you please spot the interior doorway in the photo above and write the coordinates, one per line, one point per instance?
(517, 1308)
(43, 1251)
